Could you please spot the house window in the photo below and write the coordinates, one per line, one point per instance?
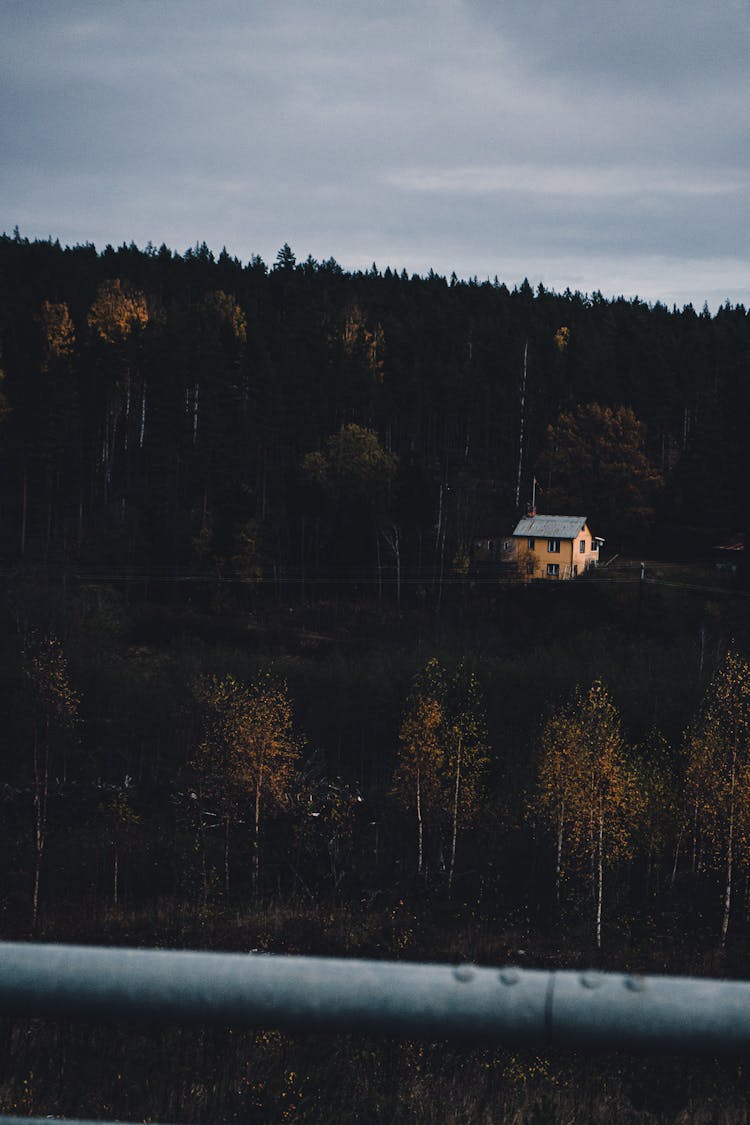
(582, 546)
(553, 546)
(529, 567)
(531, 544)
(595, 546)
(507, 545)
(553, 570)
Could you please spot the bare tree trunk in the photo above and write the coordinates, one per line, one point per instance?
(41, 793)
(226, 855)
(456, 789)
(676, 855)
(393, 539)
(142, 431)
(599, 882)
(256, 836)
(730, 858)
(380, 568)
(204, 864)
(522, 423)
(695, 836)
(727, 890)
(398, 567)
(116, 876)
(420, 852)
(195, 412)
(24, 505)
(558, 858)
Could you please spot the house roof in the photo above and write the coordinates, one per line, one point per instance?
(550, 527)
(737, 543)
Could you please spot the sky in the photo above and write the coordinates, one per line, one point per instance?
(593, 145)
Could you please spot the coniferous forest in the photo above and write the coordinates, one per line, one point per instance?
(257, 693)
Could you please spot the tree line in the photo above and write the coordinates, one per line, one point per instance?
(246, 808)
(194, 412)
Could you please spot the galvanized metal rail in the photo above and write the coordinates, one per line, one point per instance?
(396, 998)
(433, 1001)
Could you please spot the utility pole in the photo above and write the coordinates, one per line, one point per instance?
(523, 420)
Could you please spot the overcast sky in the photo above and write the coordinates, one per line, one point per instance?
(590, 144)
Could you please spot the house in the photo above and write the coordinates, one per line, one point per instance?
(552, 546)
(729, 556)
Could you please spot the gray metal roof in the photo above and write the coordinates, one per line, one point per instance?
(550, 527)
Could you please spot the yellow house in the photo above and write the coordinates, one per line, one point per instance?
(553, 546)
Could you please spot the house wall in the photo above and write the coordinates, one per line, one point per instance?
(568, 557)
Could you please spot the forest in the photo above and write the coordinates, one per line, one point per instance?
(256, 695)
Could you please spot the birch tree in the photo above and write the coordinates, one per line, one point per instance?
(718, 773)
(419, 766)
(561, 779)
(116, 321)
(588, 788)
(465, 757)
(249, 752)
(53, 708)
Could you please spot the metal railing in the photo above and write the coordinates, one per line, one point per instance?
(511, 1005)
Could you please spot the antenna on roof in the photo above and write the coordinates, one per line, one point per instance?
(532, 509)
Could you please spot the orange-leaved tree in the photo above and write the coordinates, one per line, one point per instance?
(589, 791)
(561, 779)
(718, 772)
(466, 761)
(249, 752)
(419, 765)
(116, 320)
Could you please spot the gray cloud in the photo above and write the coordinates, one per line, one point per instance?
(585, 144)
(640, 45)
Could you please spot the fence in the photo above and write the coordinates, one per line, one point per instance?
(547, 1007)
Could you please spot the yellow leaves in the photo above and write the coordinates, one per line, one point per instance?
(362, 344)
(250, 740)
(59, 332)
(117, 312)
(421, 741)
(461, 561)
(118, 815)
(586, 782)
(220, 314)
(46, 669)
(315, 467)
(718, 751)
(356, 454)
(443, 741)
(562, 338)
(422, 754)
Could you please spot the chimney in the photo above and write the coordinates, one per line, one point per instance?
(531, 510)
